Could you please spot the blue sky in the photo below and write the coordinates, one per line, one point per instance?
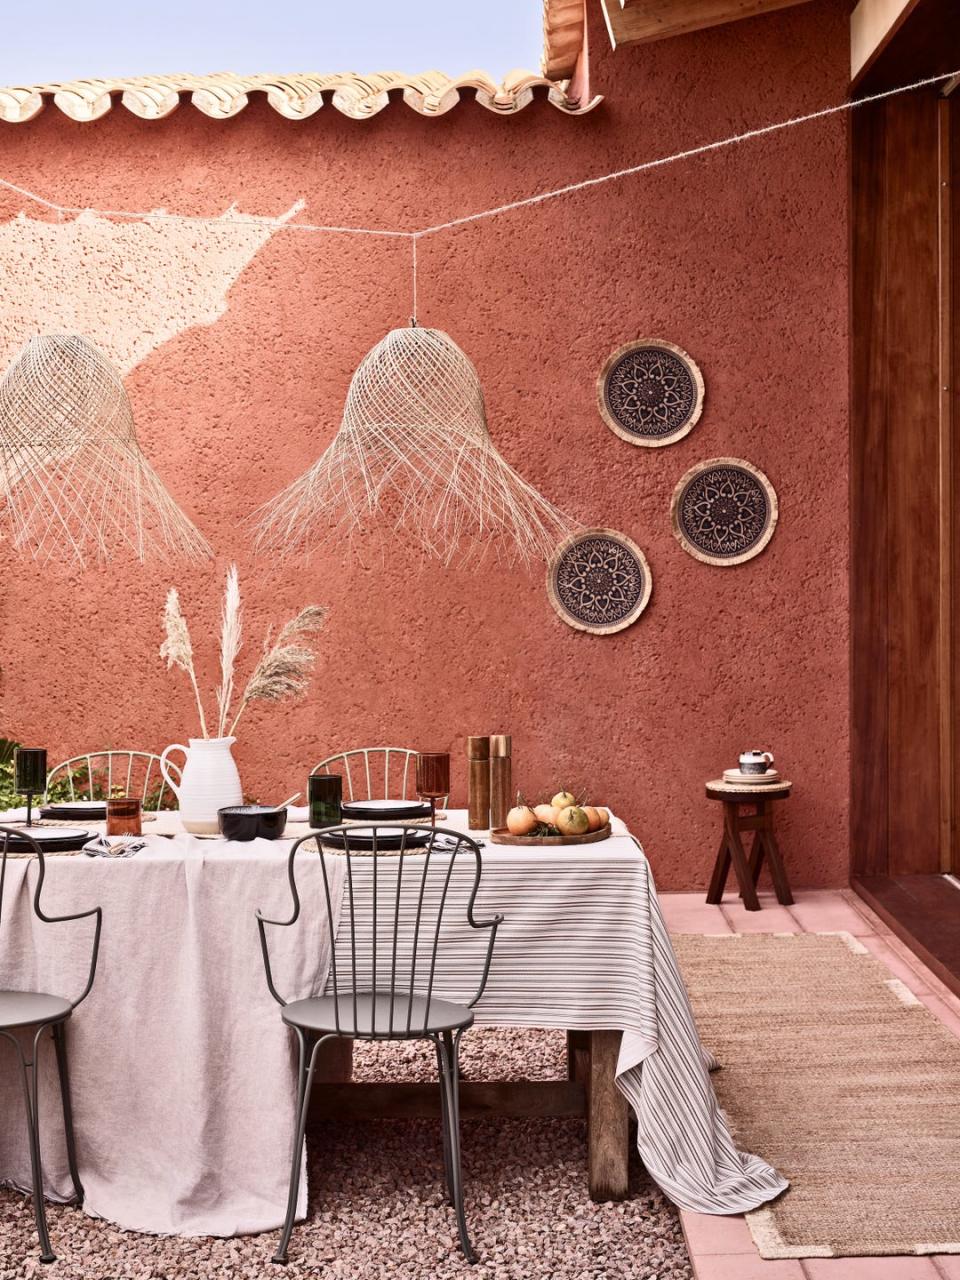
(68, 39)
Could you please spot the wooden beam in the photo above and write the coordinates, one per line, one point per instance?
(912, 393)
(409, 1101)
(641, 21)
(946, 641)
(870, 549)
(873, 24)
(895, 42)
(563, 37)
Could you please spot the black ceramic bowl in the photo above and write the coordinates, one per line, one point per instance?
(251, 822)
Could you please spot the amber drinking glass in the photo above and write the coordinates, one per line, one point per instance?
(433, 779)
(123, 816)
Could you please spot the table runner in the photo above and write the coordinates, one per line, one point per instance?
(183, 1074)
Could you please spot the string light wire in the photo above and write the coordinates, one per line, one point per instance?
(689, 153)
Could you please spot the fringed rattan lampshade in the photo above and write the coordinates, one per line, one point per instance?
(73, 479)
(413, 450)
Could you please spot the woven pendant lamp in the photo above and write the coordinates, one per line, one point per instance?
(73, 480)
(414, 452)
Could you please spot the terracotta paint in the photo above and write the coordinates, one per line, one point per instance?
(239, 350)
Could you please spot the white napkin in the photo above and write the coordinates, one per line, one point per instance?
(298, 813)
(18, 815)
(114, 846)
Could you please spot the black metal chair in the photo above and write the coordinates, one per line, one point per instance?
(395, 897)
(37, 1011)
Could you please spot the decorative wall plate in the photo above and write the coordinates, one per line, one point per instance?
(724, 511)
(650, 393)
(599, 581)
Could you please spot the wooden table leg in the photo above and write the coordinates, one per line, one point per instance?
(607, 1121)
(738, 855)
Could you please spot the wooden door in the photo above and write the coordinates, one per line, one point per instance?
(905, 664)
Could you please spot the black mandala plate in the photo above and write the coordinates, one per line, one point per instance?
(650, 392)
(599, 581)
(50, 839)
(724, 511)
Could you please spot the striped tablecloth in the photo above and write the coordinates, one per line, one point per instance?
(183, 1073)
(583, 946)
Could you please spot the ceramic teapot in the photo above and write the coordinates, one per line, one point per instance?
(755, 761)
(209, 781)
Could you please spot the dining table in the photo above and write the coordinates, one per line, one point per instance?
(183, 1075)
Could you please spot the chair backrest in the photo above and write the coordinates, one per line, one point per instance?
(396, 907)
(375, 773)
(33, 849)
(97, 775)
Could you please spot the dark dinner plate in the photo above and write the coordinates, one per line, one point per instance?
(386, 810)
(76, 811)
(361, 840)
(54, 839)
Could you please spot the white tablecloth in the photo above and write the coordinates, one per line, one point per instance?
(183, 1073)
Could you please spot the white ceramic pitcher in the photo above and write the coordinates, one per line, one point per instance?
(209, 781)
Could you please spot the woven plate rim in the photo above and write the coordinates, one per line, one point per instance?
(631, 436)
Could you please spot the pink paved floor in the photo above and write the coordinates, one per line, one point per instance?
(722, 1248)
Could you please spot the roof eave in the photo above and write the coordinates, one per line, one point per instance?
(294, 97)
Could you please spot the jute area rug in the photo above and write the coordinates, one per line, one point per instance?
(834, 1072)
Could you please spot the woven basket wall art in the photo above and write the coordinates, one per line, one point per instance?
(599, 581)
(724, 511)
(414, 452)
(74, 482)
(650, 392)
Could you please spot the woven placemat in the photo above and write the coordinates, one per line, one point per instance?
(47, 853)
(92, 829)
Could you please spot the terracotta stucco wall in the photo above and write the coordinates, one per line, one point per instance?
(739, 257)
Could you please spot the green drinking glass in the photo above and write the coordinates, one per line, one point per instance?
(325, 794)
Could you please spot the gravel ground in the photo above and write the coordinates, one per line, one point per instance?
(376, 1208)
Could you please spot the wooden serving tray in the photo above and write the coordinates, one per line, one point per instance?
(500, 835)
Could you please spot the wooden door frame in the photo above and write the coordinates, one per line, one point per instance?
(948, 595)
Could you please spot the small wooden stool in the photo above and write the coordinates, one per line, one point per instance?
(733, 796)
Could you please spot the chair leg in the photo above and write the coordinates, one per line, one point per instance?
(31, 1098)
(60, 1043)
(444, 1125)
(450, 1052)
(304, 1081)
